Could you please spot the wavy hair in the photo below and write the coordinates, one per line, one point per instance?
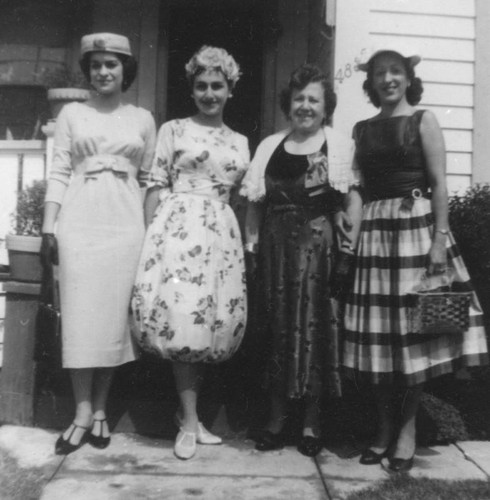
(414, 90)
(299, 79)
(213, 58)
(129, 64)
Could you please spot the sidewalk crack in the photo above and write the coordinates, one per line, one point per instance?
(56, 470)
(325, 485)
(470, 459)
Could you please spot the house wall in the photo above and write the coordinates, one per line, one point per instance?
(481, 144)
(443, 33)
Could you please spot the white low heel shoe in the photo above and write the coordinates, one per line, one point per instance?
(185, 445)
(206, 437)
(203, 436)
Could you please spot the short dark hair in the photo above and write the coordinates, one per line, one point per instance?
(414, 90)
(129, 64)
(299, 79)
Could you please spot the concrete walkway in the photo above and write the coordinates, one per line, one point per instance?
(135, 467)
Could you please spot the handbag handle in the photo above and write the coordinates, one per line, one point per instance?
(47, 293)
(434, 281)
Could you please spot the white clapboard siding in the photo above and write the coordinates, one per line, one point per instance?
(415, 24)
(458, 141)
(458, 163)
(460, 8)
(458, 184)
(451, 117)
(439, 49)
(443, 33)
(449, 95)
(447, 71)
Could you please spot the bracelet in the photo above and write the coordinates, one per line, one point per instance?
(445, 232)
(251, 248)
(348, 246)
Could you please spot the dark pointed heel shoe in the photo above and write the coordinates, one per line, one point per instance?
(99, 440)
(268, 441)
(400, 464)
(370, 457)
(64, 446)
(310, 446)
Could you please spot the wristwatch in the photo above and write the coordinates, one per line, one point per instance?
(251, 247)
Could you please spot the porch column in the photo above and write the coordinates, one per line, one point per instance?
(481, 120)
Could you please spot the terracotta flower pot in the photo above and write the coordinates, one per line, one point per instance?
(59, 97)
(24, 259)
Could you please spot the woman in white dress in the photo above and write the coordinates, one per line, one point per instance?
(94, 200)
(189, 300)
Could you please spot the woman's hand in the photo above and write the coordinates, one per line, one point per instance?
(49, 250)
(251, 265)
(343, 224)
(342, 277)
(437, 256)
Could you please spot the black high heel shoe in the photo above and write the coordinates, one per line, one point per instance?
(98, 440)
(268, 441)
(400, 464)
(370, 457)
(64, 447)
(310, 446)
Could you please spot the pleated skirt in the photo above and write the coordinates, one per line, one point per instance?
(391, 259)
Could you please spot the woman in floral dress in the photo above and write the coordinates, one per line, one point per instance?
(189, 299)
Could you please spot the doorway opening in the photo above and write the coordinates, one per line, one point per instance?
(236, 26)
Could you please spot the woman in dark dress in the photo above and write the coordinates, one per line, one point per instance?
(400, 154)
(295, 184)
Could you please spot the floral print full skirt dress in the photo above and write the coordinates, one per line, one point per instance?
(189, 299)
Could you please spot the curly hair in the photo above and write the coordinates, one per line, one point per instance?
(299, 79)
(213, 58)
(414, 90)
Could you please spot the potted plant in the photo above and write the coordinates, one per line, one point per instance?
(64, 86)
(24, 246)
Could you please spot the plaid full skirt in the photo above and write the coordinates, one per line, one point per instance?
(391, 258)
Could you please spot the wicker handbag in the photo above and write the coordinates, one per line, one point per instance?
(438, 311)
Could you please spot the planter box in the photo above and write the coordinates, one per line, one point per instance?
(24, 259)
(59, 97)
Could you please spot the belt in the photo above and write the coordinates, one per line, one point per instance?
(409, 198)
(95, 165)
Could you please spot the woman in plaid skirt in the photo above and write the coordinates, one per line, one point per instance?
(400, 157)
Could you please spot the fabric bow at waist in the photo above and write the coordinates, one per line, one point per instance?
(95, 165)
(203, 187)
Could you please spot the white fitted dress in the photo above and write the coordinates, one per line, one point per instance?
(97, 160)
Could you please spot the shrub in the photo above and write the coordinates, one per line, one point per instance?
(469, 216)
(28, 216)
